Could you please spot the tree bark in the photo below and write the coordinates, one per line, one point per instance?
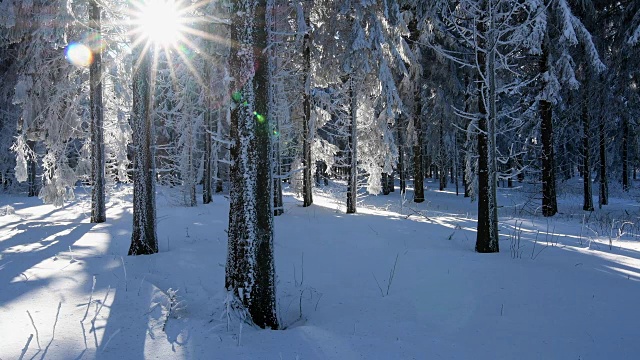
(352, 184)
(98, 211)
(307, 182)
(401, 172)
(32, 169)
(549, 200)
(144, 238)
(250, 270)
(442, 156)
(625, 152)
(418, 166)
(587, 204)
(271, 19)
(207, 176)
(487, 235)
(603, 198)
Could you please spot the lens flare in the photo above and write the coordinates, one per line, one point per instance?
(79, 55)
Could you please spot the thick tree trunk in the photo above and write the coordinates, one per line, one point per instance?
(250, 271)
(549, 200)
(144, 237)
(98, 211)
(352, 181)
(603, 198)
(487, 235)
(586, 150)
(307, 182)
(625, 152)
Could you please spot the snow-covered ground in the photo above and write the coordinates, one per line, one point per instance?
(398, 280)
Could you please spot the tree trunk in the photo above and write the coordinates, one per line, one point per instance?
(352, 182)
(401, 172)
(32, 169)
(278, 208)
(467, 99)
(442, 155)
(98, 211)
(418, 166)
(586, 149)
(207, 176)
(603, 198)
(385, 184)
(625, 152)
(487, 235)
(250, 271)
(549, 200)
(144, 237)
(307, 182)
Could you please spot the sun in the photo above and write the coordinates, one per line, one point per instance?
(161, 22)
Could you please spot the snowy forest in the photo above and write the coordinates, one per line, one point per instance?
(319, 179)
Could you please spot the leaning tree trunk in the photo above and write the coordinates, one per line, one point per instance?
(587, 204)
(144, 237)
(98, 211)
(549, 200)
(352, 158)
(307, 182)
(487, 235)
(250, 270)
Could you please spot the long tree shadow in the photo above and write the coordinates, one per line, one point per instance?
(13, 277)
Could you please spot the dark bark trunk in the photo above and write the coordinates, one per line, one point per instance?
(603, 198)
(586, 149)
(385, 184)
(487, 234)
(250, 272)
(625, 152)
(352, 181)
(549, 200)
(32, 169)
(307, 182)
(98, 211)
(442, 155)
(467, 99)
(401, 172)
(144, 237)
(418, 166)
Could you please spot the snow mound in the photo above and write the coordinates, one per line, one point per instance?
(7, 210)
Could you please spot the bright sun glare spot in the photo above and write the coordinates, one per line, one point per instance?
(160, 22)
(79, 55)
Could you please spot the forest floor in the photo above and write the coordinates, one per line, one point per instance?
(398, 280)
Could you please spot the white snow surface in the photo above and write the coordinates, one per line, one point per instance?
(574, 298)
